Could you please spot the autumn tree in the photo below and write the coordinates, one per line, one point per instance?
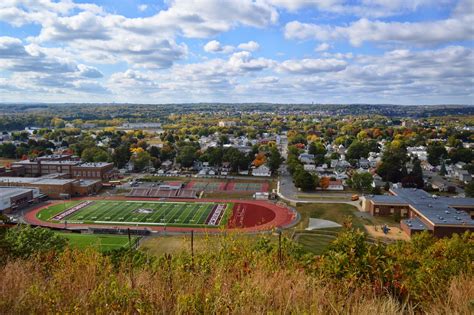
(324, 182)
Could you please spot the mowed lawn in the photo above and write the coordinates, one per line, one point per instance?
(139, 213)
(100, 242)
(317, 241)
(337, 212)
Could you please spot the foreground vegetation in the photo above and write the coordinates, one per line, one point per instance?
(246, 276)
(100, 242)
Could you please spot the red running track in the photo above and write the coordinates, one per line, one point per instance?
(247, 216)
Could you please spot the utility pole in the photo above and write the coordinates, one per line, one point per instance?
(192, 249)
(130, 258)
(280, 256)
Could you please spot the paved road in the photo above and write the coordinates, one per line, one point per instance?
(288, 191)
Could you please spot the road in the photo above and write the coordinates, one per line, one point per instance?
(288, 191)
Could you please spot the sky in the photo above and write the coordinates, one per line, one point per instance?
(277, 51)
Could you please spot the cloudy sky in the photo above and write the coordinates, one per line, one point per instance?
(322, 51)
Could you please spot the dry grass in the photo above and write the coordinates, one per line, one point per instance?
(236, 279)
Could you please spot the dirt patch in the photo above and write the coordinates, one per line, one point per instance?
(394, 234)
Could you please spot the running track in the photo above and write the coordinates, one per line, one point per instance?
(259, 216)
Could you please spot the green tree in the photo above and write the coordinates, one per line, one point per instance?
(274, 160)
(187, 155)
(392, 168)
(361, 181)
(237, 159)
(469, 189)
(8, 150)
(436, 151)
(121, 155)
(303, 180)
(154, 151)
(141, 160)
(213, 156)
(357, 150)
(95, 154)
(465, 155)
(442, 170)
(24, 241)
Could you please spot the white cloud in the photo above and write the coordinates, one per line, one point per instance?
(322, 47)
(216, 47)
(397, 76)
(142, 7)
(458, 27)
(310, 66)
(249, 46)
(362, 8)
(244, 61)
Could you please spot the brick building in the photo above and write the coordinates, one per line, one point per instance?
(72, 168)
(421, 211)
(54, 187)
(101, 170)
(12, 198)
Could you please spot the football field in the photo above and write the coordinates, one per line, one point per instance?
(156, 213)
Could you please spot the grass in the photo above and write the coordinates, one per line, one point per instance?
(337, 212)
(101, 242)
(47, 213)
(175, 244)
(139, 213)
(317, 243)
(5, 161)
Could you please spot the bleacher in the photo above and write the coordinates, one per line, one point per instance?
(187, 193)
(139, 192)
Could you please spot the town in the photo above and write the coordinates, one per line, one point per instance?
(250, 154)
(237, 157)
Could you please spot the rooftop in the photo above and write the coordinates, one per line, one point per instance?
(8, 192)
(35, 180)
(437, 210)
(415, 224)
(95, 164)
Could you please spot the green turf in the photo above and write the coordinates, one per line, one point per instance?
(336, 212)
(50, 212)
(101, 242)
(186, 214)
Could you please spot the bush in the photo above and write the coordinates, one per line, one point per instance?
(246, 276)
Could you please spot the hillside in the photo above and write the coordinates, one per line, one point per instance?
(246, 276)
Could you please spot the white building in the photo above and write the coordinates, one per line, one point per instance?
(335, 185)
(262, 171)
(227, 123)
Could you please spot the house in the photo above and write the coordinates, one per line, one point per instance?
(335, 185)
(464, 176)
(377, 181)
(197, 165)
(342, 165)
(166, 165)
(227, 123)
(309, 167)
(306, 158)
(243, 172)
(262, 171)
(364, 163)
(225, 169)
(439, 185)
